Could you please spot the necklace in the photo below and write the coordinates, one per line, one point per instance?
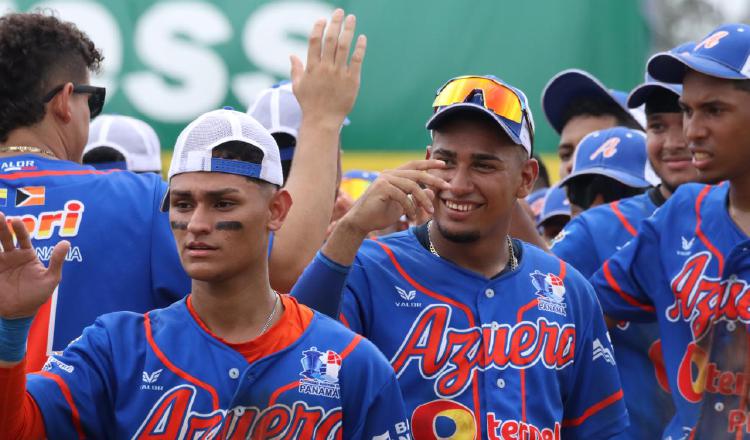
(273, 313)
(26, 149)
(512, 260)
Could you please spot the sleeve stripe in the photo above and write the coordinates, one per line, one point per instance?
(68, 398)
(699, 231)
(593, 409)
(344, 321)
(616, 287)
(625, 223)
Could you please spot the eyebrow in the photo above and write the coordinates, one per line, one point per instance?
(475, 156)
(214, 193)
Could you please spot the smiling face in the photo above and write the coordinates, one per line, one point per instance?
(487, 173)
(668, 150)
(717, 127)
(221, 222)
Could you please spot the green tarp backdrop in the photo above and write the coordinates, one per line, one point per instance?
(168, 61)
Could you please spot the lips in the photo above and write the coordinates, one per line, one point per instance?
(701, 159)
(199, 249)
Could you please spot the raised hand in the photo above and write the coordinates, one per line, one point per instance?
(403, 191)
(327, 86)
(25, 284)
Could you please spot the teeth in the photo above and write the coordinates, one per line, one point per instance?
(700, 155)
(463, 207)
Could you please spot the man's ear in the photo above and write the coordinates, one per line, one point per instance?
(529, 173)
(279, 206)
(428, 152)
(61, 106)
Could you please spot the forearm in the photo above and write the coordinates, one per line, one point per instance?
(321, 285)
(20, 416)
(522, 227)
(312, 185)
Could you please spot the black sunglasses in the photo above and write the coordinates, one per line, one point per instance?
(96, 96)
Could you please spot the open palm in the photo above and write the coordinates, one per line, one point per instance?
(25, 284)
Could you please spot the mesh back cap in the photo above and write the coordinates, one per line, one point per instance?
(277, 109)
(194, 146)
(133, 138)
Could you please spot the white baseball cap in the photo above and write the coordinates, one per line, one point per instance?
(134, 139)
(194, 147)
(277, 109)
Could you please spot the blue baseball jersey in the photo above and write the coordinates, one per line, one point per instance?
(680, 271)
(522, 355)
(122, 256)
(164, 376)
(586, 242)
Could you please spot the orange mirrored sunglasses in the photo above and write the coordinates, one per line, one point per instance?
(499, 98)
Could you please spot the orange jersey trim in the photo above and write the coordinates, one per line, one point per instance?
(68, 398)
(616, 287)
(27, 174)
(620, 216)
(699, 232)
(593, 409)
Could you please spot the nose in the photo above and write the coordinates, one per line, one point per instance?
(693, 127)
(460, 181)
(199, 222)
(675, 139)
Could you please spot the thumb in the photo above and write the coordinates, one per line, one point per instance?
(296, 70)
(58, 258)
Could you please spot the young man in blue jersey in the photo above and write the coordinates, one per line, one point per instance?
(687, 267)
(46, 103)
(575, 104)
(597, 233)
(477, 326)
(234, 359)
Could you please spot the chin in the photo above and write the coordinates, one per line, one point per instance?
(458, 236)
(205, 272)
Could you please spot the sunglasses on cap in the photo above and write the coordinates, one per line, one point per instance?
(497, 97)
(96, 96)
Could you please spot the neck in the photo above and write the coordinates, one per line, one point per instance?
(236, 309)
(37, 136)
(739, 202)
(487, 255)
(665, 192)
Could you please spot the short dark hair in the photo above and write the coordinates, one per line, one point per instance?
(543, 178)
(285, 140)
(241, 151)
(103, 154)
(588, 106)
(37, 53)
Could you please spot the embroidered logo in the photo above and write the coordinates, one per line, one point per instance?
(550, 290)
(320, 373)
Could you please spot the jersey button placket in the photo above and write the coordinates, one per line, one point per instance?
(489, 293)
(234, 373)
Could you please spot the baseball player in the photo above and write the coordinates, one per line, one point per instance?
(681, 269)
(490, 338)
(234, 359)
(577, 103)
(598, 233)
(122, 254)
(122, 142)
(535, 201)
(555, 213)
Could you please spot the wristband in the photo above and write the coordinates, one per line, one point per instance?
(13, 336)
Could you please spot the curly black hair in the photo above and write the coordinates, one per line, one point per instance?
(38, 52)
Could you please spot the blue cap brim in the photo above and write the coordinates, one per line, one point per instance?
(444, 114)
(617, 175)
(640, 94)
(569, 85)
(671, 67)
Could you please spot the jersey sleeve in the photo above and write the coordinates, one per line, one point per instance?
(355, 313)
(628, 278)
(594, 406)
(575, 245)
(169, 282)
(376, 410)
(320, 285)
(74, 390)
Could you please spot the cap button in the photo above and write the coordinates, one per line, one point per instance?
(228, 107)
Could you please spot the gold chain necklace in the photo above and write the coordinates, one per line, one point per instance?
(26, 149)
(512, 260)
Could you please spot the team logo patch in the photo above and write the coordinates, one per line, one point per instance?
(550, 290)
(30, 196)
(711, 41)
(607, 149)
(320, 373)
